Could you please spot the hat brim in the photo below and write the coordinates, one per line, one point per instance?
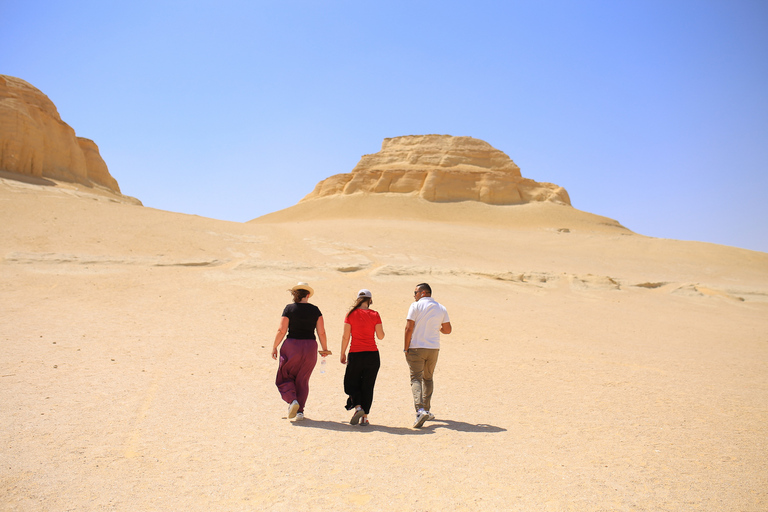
(304, 287)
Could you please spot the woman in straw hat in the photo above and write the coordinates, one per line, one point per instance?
(363, 362)
(298, 355)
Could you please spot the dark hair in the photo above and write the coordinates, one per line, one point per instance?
(359, 302)
(424, 287)
(299, 294)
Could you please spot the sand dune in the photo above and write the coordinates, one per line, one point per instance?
(590, 367)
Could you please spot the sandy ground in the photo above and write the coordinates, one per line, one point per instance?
(589, 368)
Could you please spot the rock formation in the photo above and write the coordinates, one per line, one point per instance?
(35, 141)
(441, 168)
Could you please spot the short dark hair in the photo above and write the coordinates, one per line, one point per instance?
(424, 287)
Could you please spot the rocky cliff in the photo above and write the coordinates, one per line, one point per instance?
(441, 168)
(34, 140)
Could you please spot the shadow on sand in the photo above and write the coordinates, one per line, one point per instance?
(429, 428)
(25, 178)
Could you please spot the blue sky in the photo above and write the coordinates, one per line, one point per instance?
(654, 113)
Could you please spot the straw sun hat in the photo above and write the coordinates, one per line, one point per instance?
(304, 286)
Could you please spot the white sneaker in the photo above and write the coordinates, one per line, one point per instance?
(293, 409)
(421, 417)
(430, 416)
(299, 416)
(359, 413)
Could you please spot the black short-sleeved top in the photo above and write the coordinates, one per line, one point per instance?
(302, 319)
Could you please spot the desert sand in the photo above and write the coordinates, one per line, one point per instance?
(589, 368)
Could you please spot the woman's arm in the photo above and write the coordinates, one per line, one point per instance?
(380, 331)
(281, 331)
(320, 326)
(345, 342)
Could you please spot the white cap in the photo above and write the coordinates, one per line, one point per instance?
(364, 293)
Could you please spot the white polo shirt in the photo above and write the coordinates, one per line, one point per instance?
(429, 316)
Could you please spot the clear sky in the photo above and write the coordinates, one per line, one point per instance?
(653, 113)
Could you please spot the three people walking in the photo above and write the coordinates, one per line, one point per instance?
(425, 321)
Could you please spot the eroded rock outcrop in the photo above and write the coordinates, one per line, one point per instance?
(34, 141)
(441, 168)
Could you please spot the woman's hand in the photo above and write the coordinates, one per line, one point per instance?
(274, 353)
(343, 358)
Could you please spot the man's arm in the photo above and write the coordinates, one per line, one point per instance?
(446, 328)
(409, 326)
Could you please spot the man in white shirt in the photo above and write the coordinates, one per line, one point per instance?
(426, 320)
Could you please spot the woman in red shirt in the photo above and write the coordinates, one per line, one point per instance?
(363, 361)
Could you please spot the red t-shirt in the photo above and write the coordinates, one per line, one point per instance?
(363, 322)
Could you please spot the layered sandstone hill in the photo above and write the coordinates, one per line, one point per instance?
(34, 141)
(441, 168)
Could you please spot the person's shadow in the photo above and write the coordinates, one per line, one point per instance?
(428, 428)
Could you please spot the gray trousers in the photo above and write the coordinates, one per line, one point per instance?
(422, 362)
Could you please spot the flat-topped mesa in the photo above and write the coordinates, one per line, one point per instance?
(34, 141)
(441, 168)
